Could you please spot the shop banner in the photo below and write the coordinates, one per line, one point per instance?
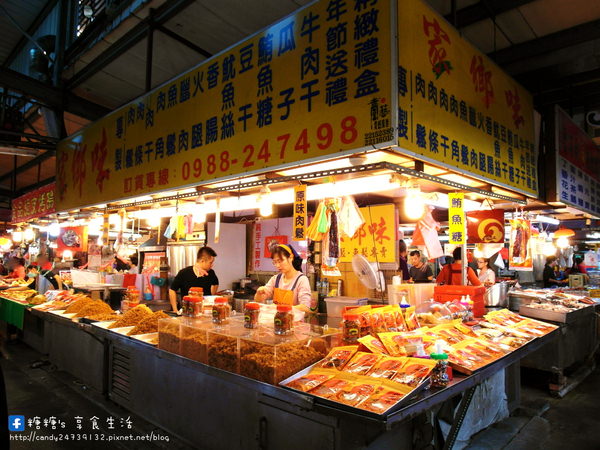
(299, 233)
(578, 163)
(456, 218)
(34, 204)
(375, 239)
(520, 255)
(485, 227)
(457, 108)
(315, 84)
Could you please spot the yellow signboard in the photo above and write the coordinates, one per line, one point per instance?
(376, 238)
(456, 218)
(299, 225)
(457, 108)
(316, 83)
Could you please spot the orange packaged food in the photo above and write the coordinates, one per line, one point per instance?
(331, 388)
(377, 320)
(310, 381)
(393, 343)
(410, 317)
(384, 398)
(387, 367)
(338, 357)
(373, 344)
(355, 393)
(415, 371)
(361, 363)
(364, 318)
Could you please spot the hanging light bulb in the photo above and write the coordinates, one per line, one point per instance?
(28, 234)
(100, 243)
(67, 255)
(414, 206)
(549, 249)
(54, 229)
(562, 242)
(265, 203)
(17, 235)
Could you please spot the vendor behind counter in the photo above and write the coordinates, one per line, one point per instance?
(199, 275)
(451, 274)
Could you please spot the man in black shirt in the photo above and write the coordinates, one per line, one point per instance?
(198, 275)
(419, 271)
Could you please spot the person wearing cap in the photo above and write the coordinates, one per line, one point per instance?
(290, 286)
(198, 275)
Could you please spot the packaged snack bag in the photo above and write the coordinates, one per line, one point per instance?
(361, 363)
(355, 393)
(373, 344)
(311, 380)
(330, 388)
(387, 367)
(414, 371)
(338, 357)
(384, 398)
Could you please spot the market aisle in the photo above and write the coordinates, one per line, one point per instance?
(549, 423)
(38, 390)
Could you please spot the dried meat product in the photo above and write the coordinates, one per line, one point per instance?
(393, 343)
(377, 320)
(389, 317)
(338, 357)
(387, 367)
(355, 393)
(104, 317)
(223, 352)
(132, 317)
(414, 371)
(78, 305)
(95, 307)
(310, 381)
(373, 344)
(334, 239)
(384, 398)
(361, 363)
(331, 388)
(410, 318)
(149, 324)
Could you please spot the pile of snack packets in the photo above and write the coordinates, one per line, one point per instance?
(391, 359)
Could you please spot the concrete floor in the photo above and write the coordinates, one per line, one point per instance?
(548, 423)
(38, 389)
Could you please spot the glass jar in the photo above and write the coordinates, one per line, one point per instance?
(439, 374)
(284, 319)
(186, 309)
(220, 311)
(351, 328)
(194, 307)
(251, 312)
(132, 296)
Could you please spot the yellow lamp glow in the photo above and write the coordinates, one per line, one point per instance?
(414, 205)
(562, 242)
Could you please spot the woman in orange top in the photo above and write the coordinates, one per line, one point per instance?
(17, 268)
(451, 273)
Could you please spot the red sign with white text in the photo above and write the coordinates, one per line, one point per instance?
(34, 204)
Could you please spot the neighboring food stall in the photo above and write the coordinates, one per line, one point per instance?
(263, 145)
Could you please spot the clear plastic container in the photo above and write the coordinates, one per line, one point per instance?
(221, 311)
(251, 315)
(432, 313)
(284, 320)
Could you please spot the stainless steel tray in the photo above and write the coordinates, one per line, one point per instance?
(330, 403)
(554, 316)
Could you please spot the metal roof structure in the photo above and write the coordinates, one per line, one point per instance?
(107, 52)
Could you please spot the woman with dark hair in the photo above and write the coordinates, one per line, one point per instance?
(451, 273)
(549, 277)
(486, 274)
(578, 266)
(290, 286)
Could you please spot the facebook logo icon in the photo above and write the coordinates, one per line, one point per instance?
(16, 423)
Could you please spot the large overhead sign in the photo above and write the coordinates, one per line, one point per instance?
(316, 83)
(457, 108)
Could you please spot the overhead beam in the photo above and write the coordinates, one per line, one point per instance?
(184, 41)
(53, 97)
(33, 187)
(47, 9)
(28, 165)
(132, 37)
(483, 10)
(566, 38)
(553, 78)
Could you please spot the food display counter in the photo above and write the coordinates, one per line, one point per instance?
(212, 373)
